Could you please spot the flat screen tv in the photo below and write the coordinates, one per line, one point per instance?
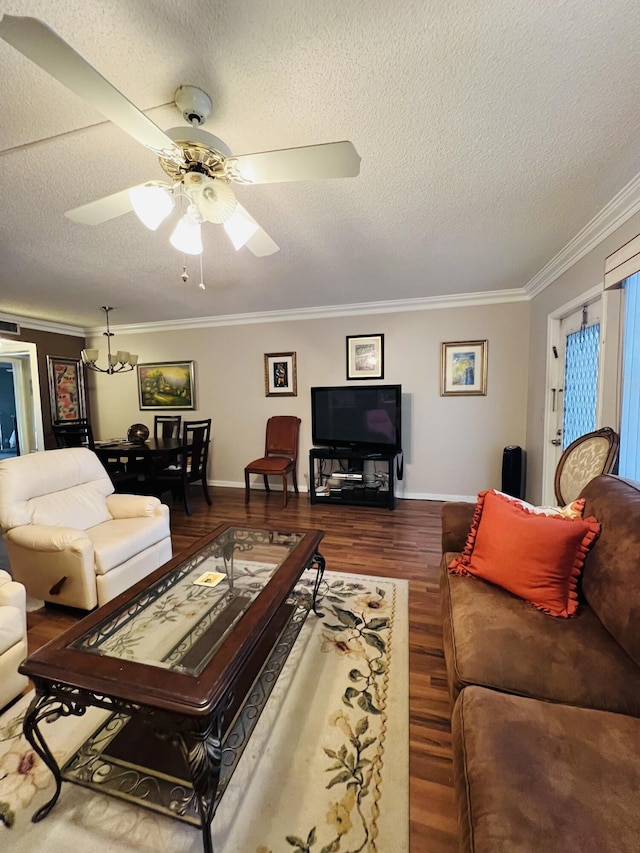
(367, 418)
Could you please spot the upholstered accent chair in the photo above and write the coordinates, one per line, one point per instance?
(13, 638)
(70, 540)
(280, 455)
(584, 459)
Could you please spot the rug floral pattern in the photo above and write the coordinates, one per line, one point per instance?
(334, 793)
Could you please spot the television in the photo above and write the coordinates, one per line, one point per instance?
(367, 418)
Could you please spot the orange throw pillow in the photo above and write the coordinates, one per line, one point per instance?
(536, 557)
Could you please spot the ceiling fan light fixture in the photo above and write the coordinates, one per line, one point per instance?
(152, 203)
(187, 236)
(239, 228)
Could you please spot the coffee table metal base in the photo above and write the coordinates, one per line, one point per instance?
(210, 745)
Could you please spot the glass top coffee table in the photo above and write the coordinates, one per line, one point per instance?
(184, 661)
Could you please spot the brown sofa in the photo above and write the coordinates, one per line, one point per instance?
(546, 720)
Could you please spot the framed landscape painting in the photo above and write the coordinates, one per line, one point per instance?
(365, 356)
(166, 385)
(66, 388)
(463, 369)
(280, 374)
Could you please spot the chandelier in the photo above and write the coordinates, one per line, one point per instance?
(118, 363)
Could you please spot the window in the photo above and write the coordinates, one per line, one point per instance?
(629, 464)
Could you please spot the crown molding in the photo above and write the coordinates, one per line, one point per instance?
(614, 214)
(43, 325)
(429, 303)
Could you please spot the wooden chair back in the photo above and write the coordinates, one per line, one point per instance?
(167, 426)
(73, 433)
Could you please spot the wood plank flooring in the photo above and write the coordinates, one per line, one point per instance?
(404, 543)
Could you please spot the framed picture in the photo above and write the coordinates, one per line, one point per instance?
(280, 375)
(464, 369)
(66, 388)
(365, 356)
(167, 385)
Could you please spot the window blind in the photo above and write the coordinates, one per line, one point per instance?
(629, 463)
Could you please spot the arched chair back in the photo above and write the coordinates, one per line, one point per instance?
(280, 455)
(587, 457)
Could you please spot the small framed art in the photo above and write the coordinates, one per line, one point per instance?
(280, 375)
(463, 369)
(365, 356)
(66, 388)
(166, 385)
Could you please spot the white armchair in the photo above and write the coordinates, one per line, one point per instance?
(70, 540)
(13, 638)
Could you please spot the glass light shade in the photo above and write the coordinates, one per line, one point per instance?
(133, 359)
(239, 229)
(122, 356)
(89, 356)
(187, 236)
(151, 204)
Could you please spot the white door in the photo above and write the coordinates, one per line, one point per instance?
(572, 406)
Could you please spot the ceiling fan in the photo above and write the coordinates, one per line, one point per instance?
(201, 168)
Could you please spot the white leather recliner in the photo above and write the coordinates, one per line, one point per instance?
(70, 540)
(13, 638)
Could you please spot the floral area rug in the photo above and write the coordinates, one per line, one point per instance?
(326, 769)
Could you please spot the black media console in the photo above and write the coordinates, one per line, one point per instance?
(341, 475)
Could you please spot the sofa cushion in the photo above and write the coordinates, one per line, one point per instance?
(118, 540)
(534, 556)
(11, 627)
(494, 639)
(530, 776)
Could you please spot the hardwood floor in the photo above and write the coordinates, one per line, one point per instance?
(404, 543)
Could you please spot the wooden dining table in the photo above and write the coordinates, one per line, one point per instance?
(154, 453)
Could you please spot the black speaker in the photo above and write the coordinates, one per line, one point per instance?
(513, 471)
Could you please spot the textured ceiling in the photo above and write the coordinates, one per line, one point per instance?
(490, 134)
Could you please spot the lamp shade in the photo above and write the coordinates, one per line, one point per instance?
(152, 203)
(187, 236)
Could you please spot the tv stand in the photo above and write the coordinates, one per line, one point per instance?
(348, 476)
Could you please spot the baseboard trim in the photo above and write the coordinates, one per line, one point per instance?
(409, 496)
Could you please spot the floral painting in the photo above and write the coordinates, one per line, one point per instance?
(66, 388)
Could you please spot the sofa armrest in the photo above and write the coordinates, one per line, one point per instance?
(133, 506)
(456, 522)
(39, 537)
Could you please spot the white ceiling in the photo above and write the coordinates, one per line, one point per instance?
(490, 134)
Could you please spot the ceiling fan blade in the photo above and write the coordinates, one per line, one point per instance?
(103, 209)
(259, 243)
(310, 162)
(39, 43)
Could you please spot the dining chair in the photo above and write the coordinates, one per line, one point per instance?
(167, 426)
(191, 464)
(73, 433)
(585, 458)
(280, 455)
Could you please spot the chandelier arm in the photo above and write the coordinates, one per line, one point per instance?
(122, 362)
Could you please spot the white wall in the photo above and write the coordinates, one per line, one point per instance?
(453, 446)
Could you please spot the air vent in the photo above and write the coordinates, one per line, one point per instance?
(7, 328)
